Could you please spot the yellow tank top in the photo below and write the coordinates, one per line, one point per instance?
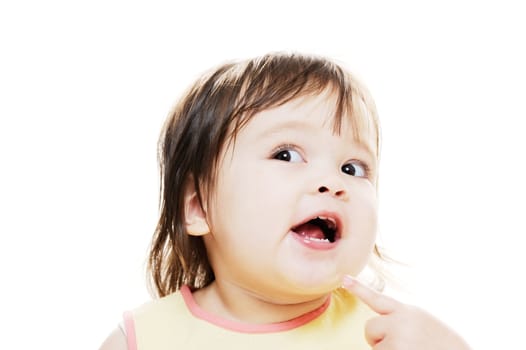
(177, 322)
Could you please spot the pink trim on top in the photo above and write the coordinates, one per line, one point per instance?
(198, 312)
(129, 325)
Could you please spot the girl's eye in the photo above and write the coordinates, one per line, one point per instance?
(288, 155)
(355, 169)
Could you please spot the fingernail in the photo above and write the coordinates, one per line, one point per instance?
(348, 281)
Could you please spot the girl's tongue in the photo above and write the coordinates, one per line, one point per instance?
(310, 230)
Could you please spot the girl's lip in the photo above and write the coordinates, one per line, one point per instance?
(320, 244)
(326, 215)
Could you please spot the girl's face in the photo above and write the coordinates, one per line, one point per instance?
(294, 207)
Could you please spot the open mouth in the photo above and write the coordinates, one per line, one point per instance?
(320, 229)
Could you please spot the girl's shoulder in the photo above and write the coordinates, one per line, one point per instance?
(149, 317)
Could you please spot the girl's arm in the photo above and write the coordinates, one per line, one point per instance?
(115, 341)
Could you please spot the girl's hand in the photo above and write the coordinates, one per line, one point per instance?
(402, 326)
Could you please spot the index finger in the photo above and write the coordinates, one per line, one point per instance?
(378, 302)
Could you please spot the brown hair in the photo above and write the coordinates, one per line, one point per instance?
(210, 115)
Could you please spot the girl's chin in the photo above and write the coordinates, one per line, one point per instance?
(321, 275)
(317, 287)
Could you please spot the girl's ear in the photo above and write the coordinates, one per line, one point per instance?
(195, 218)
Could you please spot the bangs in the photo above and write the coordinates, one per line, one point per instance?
(273, 80)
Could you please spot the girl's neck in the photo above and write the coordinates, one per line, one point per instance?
(237, 304)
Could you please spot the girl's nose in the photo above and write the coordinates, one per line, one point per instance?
(336, 188)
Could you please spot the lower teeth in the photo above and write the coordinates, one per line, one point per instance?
(317, 239)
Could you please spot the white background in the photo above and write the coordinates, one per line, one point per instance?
(85, 87)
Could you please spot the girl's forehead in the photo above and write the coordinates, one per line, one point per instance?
(316, 111)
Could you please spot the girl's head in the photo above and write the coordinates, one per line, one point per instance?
(248, 186)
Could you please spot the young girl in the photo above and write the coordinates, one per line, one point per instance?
(269, 173)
